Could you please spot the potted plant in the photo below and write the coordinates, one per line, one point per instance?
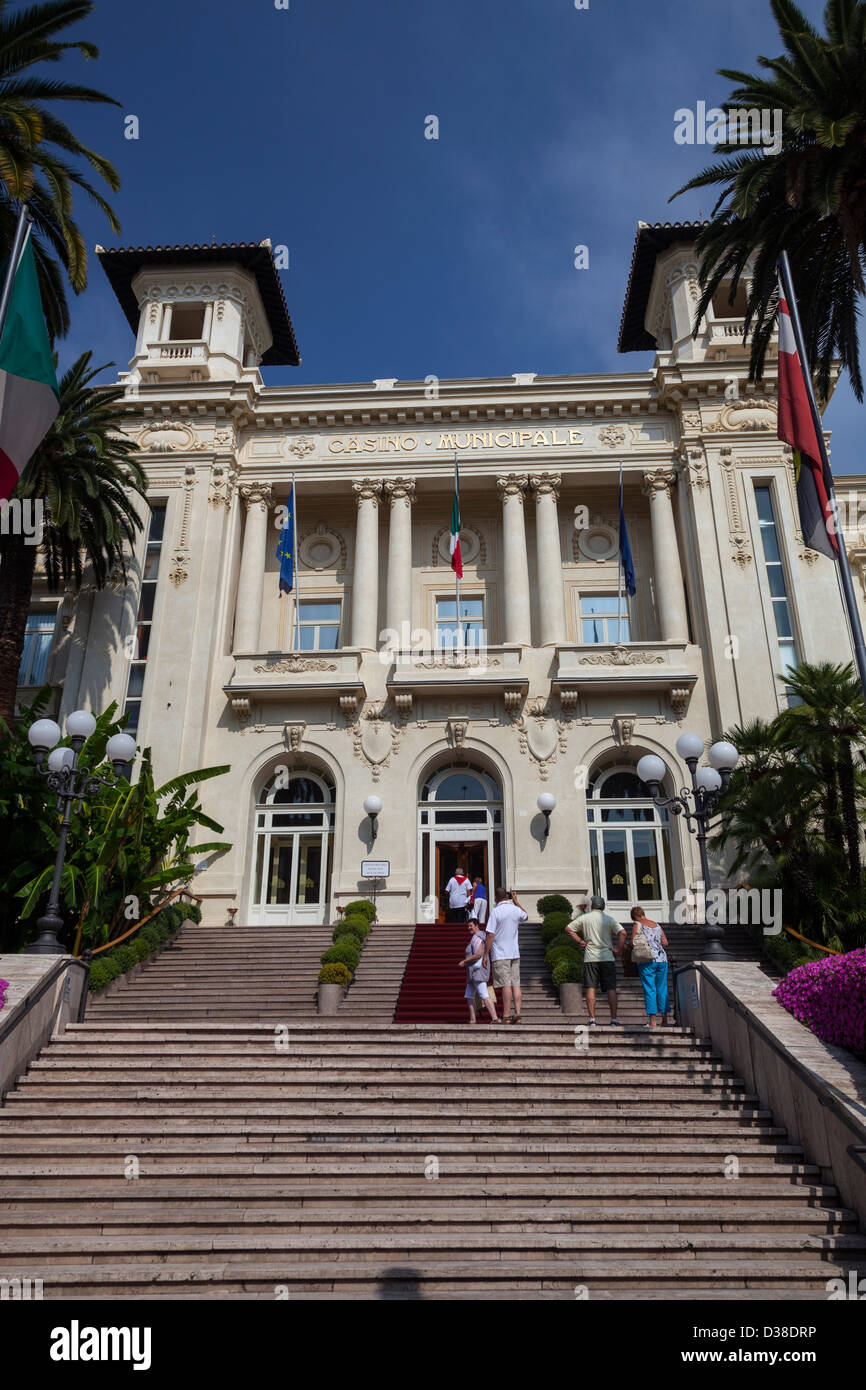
(567, 974)
(334, 979)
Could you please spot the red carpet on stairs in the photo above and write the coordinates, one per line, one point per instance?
(434, 981)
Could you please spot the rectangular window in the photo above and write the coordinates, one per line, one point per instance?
(604, 618)
(776, 580)
(471, 622)
(144, 623)
(320, 626)
(38, 636)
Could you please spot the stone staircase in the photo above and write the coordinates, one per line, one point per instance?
(205, 1158)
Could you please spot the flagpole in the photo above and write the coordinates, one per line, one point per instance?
(619, 571)
(22, 229)
(296, 626)
(456, 575)
(844, 567)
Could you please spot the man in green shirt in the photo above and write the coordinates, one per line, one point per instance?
(602, 939)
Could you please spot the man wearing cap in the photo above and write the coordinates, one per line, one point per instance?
(602, 939)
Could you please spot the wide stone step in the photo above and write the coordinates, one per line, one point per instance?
(434, 1277)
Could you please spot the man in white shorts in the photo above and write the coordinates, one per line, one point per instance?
(477, 974)
(502, 948)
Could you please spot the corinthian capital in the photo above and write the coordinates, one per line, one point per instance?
(400, 489)
(546, 484)
(659, 480)
(367, 490)
(256, 494)
(513, 485)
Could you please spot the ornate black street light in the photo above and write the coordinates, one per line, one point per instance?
(71, 785)
(698, 806)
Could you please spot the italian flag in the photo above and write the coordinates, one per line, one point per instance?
(797, 428)
(456, 559)
(28, 384)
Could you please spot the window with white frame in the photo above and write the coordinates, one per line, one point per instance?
(470, 630)
(319, 625)
(38, 636)
(604, 618)
(775, 572)
(144, 621)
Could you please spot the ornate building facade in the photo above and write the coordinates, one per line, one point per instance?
(360, 683)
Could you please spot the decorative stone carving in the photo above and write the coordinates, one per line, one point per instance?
(457, 729)
(241, 708)
(167, 436)
(693, 465)
(612, 435)
(659, 480)
(599, 541)
(742, 553)
(294, 665)
(622, 656)
(568, 699)
(293, 735)
(322, 548)
(745, 413)
(513, 485)
(301, 445)
(680, 696)
(403, 704)
(623, 728)
(256, 495)
(349, 705)
(513, 700)
(374, 738)
(222, 485)
(367, 490)
(691, 419)
(546, 482)
(473, 547)
(400, 490)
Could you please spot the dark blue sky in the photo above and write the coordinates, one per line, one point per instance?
(409, 256)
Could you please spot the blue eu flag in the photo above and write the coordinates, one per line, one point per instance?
(625, 548)
(285, 549)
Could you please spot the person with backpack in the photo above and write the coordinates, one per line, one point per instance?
(648, 943)
(477, 974)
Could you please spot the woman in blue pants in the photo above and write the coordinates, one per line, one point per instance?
(653, 973)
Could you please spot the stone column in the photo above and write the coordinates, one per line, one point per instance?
(365, 582)
(551, 598)
(251, 583)
(670, 596)
(398, 611)
(515, 567)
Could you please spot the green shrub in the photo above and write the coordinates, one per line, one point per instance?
(359, 925)
(355, 929)
(102, 972)
(361, 907)
(553, 924)
(554, 902)
(335, 974)
(141, 948)
(174, 915)
(150, 935)
(192, 911)
(567, 972)
(345, 952)
(160, 930)
(125, 955)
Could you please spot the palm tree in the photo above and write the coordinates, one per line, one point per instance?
(89, 477)
(38, 152)
(808, 199)
(826, 726)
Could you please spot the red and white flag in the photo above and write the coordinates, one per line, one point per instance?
(796, 427)
(454, 544)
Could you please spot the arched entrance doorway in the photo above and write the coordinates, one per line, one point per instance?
(459, 823)
(629, 842)
(293, 839)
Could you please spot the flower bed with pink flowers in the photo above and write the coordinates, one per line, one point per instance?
(4, 985)
(829, 997)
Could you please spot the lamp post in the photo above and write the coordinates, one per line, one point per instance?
(698, 806)
(62, 774)
(373, 805)
(546, 803)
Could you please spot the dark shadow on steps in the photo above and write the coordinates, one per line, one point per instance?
(399, 1282)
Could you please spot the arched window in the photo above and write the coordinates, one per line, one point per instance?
(293, 848)
(629, 840)
(459, 824)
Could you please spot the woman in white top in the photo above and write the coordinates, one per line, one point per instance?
(653, 973)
